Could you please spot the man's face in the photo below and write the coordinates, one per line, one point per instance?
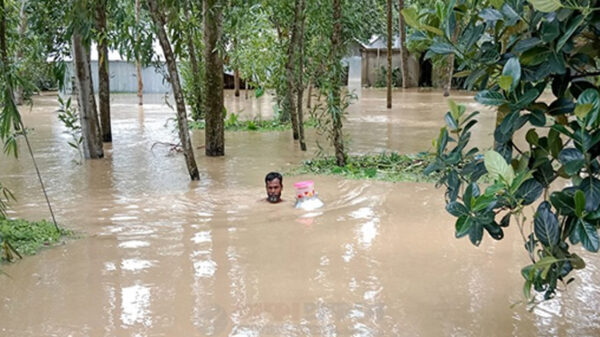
(274, 190)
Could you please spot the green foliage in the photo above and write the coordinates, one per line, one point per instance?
(233, 123)
(512, 53)
(381, 79)
(22, 237)
(383, 166)
(69, 116)
(5, 197)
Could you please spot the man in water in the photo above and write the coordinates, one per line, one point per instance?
(274, 185)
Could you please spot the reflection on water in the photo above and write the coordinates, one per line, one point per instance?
(163, 256)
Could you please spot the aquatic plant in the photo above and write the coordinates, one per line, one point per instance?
(383, 166)
(21, 237)
(513, 50)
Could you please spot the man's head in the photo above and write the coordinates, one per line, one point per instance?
(274, 185)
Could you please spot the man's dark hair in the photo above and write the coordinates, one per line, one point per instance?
(272, 176)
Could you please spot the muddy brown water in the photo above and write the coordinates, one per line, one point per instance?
(163, 256)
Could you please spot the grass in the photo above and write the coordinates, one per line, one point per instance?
(385, 166)
(27, 237)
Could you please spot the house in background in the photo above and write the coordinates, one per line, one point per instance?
(373, 56)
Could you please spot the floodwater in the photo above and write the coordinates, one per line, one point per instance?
(163, 256)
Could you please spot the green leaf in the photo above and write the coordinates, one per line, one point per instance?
(582, 110)
(544, 264)
(572, 160)
(529, 191)
(579, 203)
(497, 3)
(546, 6)
(532, 137)
(411, 17)
(457, 209)
(505, 82)
(433, 30)
(442, 48)
(591, 189)
(563, 202)
(576, 261)
(476, 233)
(488, 97)
(550, 30)
(546, 225)
(586, 98)
(498, 167)
(463, 226)
(571, 28)
(526, 44)
(492, 15)
(512, 68)
(588, 236)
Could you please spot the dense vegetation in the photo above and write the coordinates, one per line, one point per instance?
(511, 51)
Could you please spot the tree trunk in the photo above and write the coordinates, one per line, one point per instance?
(450, 68)
(184, 134)
(335, 58)
(290, 67)
(236, 82)
(103, 77)
(90, 127)
(300, 85)
(19, 94)
(390, 38)
(196, 86)
(309, 95)
(138, 63)
(246, 93)
(403, 50)
(213, 62)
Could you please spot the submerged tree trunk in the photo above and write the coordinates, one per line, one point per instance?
(300, 76)
(184, 134)
(90, 127)
(19, 94)
(214, 131)
(290, 67)
(403, 50)
(335, 59)
(103, 77)
(390, 37)
(138, 62)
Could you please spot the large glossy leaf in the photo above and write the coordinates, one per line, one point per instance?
(530, 191)
(561, 106)
(476, 233)
(588, 235)
(526, 44)
(491, 15)
(442, 48)
(571, 28)
(512, 68)
(591, 98)
(550, 30)
(411, 16)
(546, 225)
(498, 167)
(572, 160)
(591, 188)
(488, 97)
(546, 6)
(463, 226)
(457, 209)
